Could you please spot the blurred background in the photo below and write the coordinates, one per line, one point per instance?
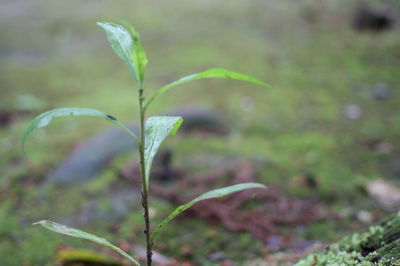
(324, 137)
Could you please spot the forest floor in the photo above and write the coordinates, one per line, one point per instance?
(326, 129)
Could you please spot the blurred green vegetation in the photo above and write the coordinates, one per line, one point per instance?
(53, 55)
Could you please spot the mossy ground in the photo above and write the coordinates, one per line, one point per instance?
(53, 55)
(380, 246)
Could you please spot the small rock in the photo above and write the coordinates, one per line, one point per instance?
(385, 194)
(353, 111)
(368, 18)
(218, 255)
(382, 91)
(5, 118)
(384, 148)
(365, 216)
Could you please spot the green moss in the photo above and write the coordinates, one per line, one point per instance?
(379, 246)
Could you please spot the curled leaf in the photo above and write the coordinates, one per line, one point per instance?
(157, 128)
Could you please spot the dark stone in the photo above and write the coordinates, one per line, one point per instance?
(367, 18)
(93, 156)
(5, 118)
(382, 91)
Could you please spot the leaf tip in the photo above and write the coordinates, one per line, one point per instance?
(22, 148)
(41, 222)
(101, 23)
(258, 185)
(177, 125)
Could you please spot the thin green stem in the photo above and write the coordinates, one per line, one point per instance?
(149, 243)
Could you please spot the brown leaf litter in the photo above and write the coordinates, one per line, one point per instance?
(259, 212)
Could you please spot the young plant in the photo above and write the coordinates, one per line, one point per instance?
(126, 44)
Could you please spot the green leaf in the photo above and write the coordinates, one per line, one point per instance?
(211, 73)
(138, 54)
(216, 193)
(45, 118)
(157, 128)
(69, 231)
(126, 44)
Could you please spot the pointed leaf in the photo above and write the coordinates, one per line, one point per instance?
(45, 118)
(216, 193)
(157, 129)
(126, 44)
(211, 73)
(69, 231)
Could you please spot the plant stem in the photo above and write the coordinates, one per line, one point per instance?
(149, 243)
